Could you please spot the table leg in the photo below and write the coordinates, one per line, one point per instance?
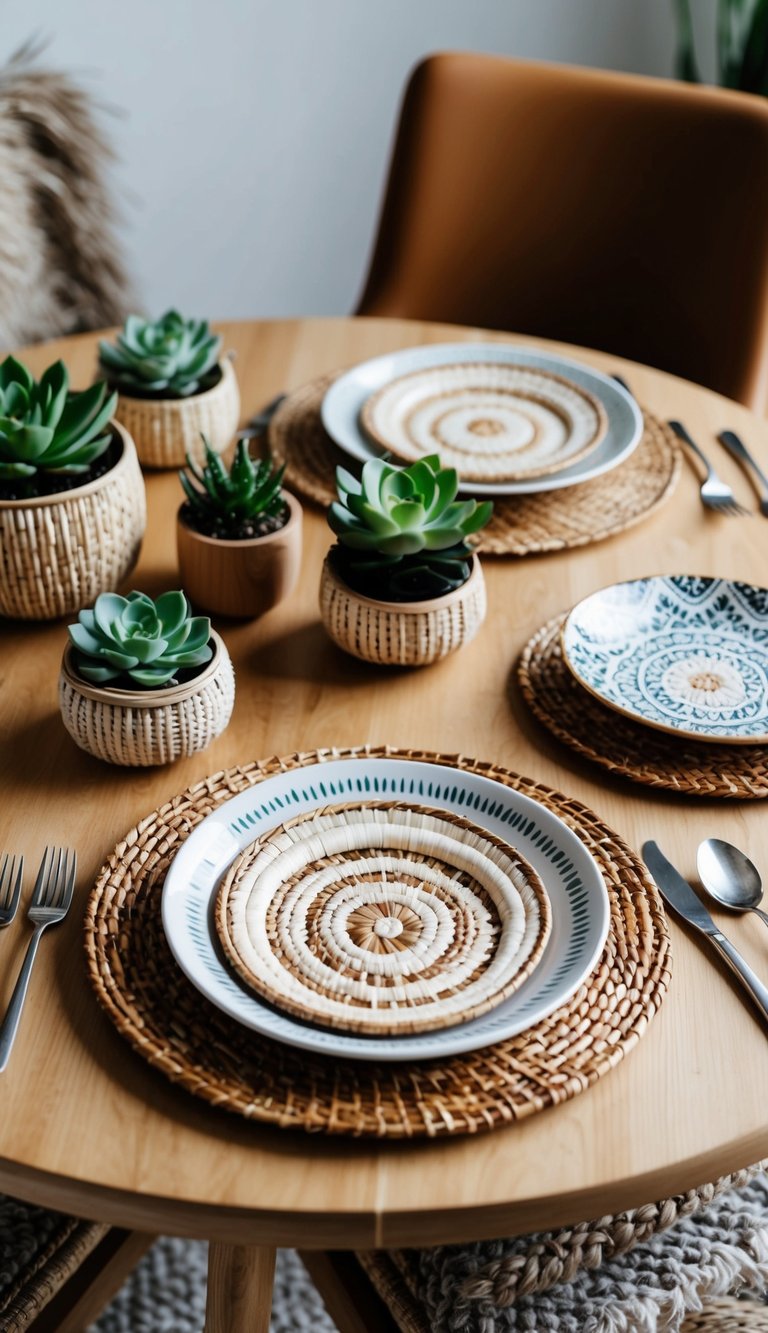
(240, 1281)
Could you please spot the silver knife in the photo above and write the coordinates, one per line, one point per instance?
(678, 893)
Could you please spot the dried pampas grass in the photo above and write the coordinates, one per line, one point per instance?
(61, 268)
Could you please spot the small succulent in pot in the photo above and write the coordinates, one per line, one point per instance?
(171, 357)
(51, 439)
(132, 641)
(234, 504)
(402, 534)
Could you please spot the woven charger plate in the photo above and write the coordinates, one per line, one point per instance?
(382, 917)
(491, 422)
(167, 1021)
(627, 748)
(521, 524)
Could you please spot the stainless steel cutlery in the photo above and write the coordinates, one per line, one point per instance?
(11, 874)
(714, 492)
(730, 441)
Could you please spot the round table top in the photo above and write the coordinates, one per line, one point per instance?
(86, 1126)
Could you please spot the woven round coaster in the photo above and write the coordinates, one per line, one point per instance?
(521, 524)
(627, 748)
(168, 1022)
(382, 917)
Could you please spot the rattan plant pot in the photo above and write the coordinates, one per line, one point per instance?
(58, 552)
(167, 429)
(402, 633)
(241, 578)
(145, 727)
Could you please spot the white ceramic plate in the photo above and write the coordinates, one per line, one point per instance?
(344, 401)
(683, 654)
(577, 894)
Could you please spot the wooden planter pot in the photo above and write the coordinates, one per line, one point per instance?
(57, 553)
(241, 578)
(167, 429)
(144, 727)
(402, 633)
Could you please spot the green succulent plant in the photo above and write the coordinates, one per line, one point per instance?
(741, 41)
(224, 502)
(135, 638)
(402, 532)
(171, 357)
(44, 427)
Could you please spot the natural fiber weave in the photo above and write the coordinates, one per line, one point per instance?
(729, 1315)
(521, 524)
(39, 1251)
(627, 748)
(382, 917)
(59, 552)
(170, 1024)
(167, 429)
(407, 634)
(153, 727)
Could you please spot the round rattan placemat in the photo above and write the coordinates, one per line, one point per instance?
(627, 748)
(382, 917)
(168, 1022)
(521, 524)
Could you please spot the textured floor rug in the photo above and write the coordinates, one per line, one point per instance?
(166, 1294)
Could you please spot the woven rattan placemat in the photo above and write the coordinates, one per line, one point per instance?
(167, 1021)
(521, 524)
(628, 748)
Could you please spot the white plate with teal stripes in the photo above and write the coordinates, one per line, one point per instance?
(577, 894)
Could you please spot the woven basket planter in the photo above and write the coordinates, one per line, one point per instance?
(241, 578)
(167, 429)
(146, 727)
(402, 633)
(57, 553)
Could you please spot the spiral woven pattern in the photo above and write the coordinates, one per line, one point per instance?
(627, 748)
(521, 524)
(382, 918)
(169, 1023)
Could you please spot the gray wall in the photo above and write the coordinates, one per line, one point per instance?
(253, 135)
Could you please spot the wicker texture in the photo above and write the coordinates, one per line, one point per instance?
(521, 524)
(729, 1315)
(155, 727)
(627, 748)
(170, 1024)
(58, 553)
(39, 1251)
(382, 917)
(167, 429)
(405, 634)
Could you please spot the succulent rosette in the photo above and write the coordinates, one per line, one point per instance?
(171, 357)
(135, 638)
(402, 533)
(44, 427)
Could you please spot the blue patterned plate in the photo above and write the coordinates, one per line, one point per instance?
(577, 895)
(683, 654)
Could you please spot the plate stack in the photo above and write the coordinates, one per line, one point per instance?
(663, 679)
(563, 450)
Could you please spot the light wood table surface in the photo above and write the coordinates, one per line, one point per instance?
(86, 1126)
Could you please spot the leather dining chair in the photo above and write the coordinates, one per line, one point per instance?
(616, 212)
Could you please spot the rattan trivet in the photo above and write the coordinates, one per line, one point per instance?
(521, 524)
(168, 1022)
(628, 748)
(382, 917)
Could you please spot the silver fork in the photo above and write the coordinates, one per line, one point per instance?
(10, 888)
(715, 494)
(50, 903)
(730, 441)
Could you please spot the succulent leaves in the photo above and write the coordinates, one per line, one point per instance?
(44, 427)
(407, 527)
(171, 357)
(223, 500)
(147, 641)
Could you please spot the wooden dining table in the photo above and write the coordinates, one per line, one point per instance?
(86, 1126)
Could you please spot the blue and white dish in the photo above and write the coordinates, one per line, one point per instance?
(574, 884)
(684, 654)
(346, 397)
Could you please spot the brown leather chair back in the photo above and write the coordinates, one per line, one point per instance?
(622, 213)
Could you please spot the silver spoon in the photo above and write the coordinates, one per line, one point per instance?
(730, 877)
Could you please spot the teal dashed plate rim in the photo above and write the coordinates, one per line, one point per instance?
(578, 896)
